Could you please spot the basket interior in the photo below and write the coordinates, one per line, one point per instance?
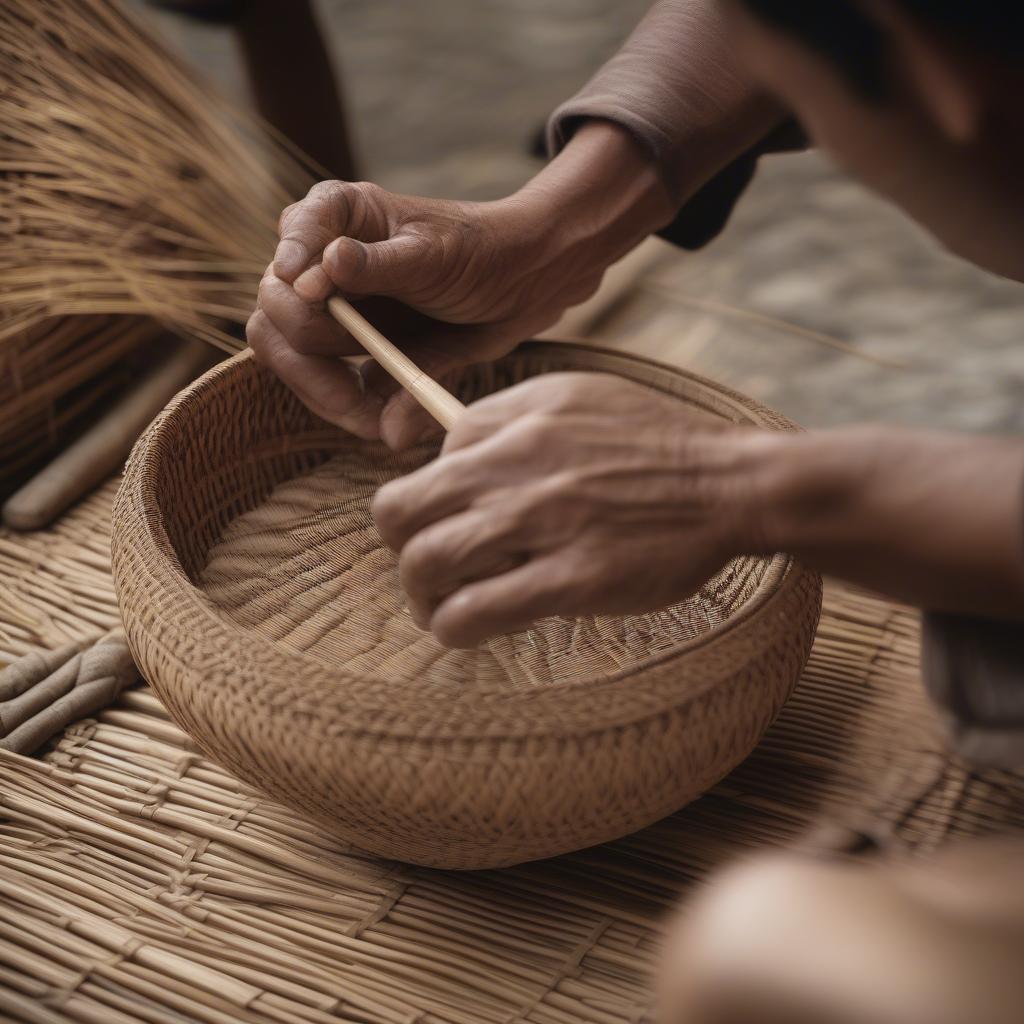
(269, 518)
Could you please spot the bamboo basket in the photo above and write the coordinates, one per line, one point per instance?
(261, 605)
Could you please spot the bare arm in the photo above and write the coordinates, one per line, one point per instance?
(608, 498)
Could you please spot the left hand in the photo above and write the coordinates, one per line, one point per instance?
(568, 494)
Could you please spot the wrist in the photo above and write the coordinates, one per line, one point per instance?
(931, 519)
(600, 196)
(807, 493)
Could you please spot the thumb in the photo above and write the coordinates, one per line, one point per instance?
(391, 267)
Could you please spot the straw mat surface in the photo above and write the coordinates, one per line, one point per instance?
(139, 882)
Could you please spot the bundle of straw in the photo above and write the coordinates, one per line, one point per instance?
(126, 190)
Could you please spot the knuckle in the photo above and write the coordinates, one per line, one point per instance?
(368, 191)
(532, 431)
(255, 335)
(329, 204)
(264, 294)
(456, 624)
(386, 509)
(286, 215)
(324, 190)
(421, 558)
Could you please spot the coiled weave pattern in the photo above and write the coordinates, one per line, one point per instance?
(260, 604)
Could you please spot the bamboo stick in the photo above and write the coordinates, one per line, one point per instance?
(441, 404)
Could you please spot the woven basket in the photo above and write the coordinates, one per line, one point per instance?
(260, 604)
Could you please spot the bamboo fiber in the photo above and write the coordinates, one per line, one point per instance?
(56, 587)
(133, 202)
(261, 604)
(128, 187)
(140, 882)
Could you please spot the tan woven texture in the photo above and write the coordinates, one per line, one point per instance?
(140, 882)
(260, 603)
(124, 215)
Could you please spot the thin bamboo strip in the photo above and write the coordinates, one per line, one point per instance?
(45, 574)
(111, 153)
(124, 211)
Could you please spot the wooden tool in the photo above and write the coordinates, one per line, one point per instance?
(103, 447)
(441, 404)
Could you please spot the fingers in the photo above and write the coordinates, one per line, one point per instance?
(394, 267)
(440, 351)
(405, 506)
(404, 421)
(330, 387)
(309, 329)
(522, 409)
(492, 467)
(506, 603)
(463, 548)
(330, 209)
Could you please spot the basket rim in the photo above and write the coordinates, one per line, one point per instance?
(247, 651)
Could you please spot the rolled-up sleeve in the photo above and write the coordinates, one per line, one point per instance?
(674, 87)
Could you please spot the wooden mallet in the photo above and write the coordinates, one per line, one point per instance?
(441, 404)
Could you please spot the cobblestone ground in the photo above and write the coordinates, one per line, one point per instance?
(444, 98)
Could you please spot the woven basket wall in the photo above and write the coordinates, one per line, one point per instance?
(261, 605)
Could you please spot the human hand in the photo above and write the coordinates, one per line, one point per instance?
(576, 494)
(449, 282)
(568, 494)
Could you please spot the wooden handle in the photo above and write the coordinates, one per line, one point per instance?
(103, 447)
(441, 404)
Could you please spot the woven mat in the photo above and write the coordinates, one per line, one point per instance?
(139, 882)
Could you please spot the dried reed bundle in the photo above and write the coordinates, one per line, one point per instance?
(133, 202)
(127, 188)
(54, 374)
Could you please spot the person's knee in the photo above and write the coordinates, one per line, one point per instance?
(789, 939)
(726, 957)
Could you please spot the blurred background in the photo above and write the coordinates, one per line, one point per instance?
(818, 299)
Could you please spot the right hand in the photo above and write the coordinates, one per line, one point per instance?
(450, 282)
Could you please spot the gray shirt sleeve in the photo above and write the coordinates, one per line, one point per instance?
(644, 88)
(671, 83)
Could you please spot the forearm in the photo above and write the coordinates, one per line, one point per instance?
(677, 88)
(596, 200)
(935, 520)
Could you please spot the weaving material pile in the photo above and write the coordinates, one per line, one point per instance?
(139, 882)
(134, 205)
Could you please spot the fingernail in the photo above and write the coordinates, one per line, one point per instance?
(345, 257)
(289, 259)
